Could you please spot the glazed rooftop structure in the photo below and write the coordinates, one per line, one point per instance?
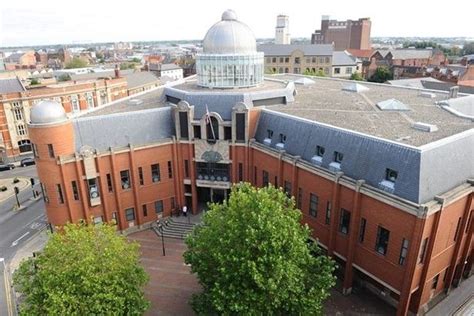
(383, 174)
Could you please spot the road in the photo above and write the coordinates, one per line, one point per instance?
(16, 227)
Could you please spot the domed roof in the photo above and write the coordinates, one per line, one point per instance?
(229, 36)
(47, 112)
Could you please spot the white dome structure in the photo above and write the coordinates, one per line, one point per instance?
(229, 36)
(229, 58)
(47, 112)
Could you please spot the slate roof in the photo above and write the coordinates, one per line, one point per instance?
(408, 53)
(138, 79)
(169, 67)
(343, 59)
(307, 49)
(11, 85)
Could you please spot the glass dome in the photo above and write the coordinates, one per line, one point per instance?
(230, 58)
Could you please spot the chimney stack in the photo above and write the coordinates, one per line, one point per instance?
(453, 92)
(117, 71)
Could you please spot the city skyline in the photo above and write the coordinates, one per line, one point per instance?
(27, 23)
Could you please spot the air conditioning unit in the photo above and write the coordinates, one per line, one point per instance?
(317, 160)
(280, 146)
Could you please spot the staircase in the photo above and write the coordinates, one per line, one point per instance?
(174, 229)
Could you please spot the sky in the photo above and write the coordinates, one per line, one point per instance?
(66, 22)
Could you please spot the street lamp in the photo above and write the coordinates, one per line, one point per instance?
(161, 230)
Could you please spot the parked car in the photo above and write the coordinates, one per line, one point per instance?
(27, 162)
(7, 166)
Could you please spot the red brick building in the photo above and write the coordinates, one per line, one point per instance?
(387, 193)
(16, 101)
(344, 35)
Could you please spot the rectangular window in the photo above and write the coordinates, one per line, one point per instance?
(170, 170)
(155, 173)
(300, 198)
(18, 114)
(320, 151)
(173, 203)
(458, 226)
(93, 188)
(287, 59)
(59, 190)
(468, 222)
(281, 59)
(227, 133)
(338, 156)
(241, 172)
(35, 150)
(110, 187)
(145, 211)
(140, 175)
(276, 182)
(424, 245)
(297, 60)
(265, 178)
(282, 138)
(274, 60)
(75, 192)
(313, 204)
(328, 213)
(159, 207)
(287, 188)
(391, 175)
(197, 131)
(75, 103)
(186, 168)
(269, 133)
(255, 175)
(381, 243)
(130, 214)
(344, 221)
(240, 127)
(51, 150)
(21, 130)
(337, 70)
(434, 283)
(403, 252)
(363, 222)
(125, 179)
(45, 193)
(183, 125)
(348, 70)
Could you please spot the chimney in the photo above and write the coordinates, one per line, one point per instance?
(117, 71)
(453, 92)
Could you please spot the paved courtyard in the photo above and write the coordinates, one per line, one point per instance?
(172, 285)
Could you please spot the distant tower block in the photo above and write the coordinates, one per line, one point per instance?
(282, 30)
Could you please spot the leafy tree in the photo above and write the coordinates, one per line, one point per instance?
(83, 270)
(381, 75)
(317, 73)
(468, 48)
(76, 62)
(357, 76)
(125, 66)
(251, 257)
(64, 77)
(34, 81)
(136, 60)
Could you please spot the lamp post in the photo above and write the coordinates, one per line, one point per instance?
(161, 229)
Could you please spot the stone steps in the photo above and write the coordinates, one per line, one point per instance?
(174, 229)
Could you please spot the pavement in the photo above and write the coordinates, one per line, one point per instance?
(459, 302)
(17, 227)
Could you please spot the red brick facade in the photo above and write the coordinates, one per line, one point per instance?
(437, 235)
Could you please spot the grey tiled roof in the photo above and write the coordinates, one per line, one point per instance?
(138, 79)
(11, 85)
(169, 67)
(343, 59)
(307, 49)
(408, 53)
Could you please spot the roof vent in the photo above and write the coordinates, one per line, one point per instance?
(453, 92)
(392, 105)
(267, 141)
(425, 127)
(355, 87)
(135, 102)
(428, 95)
(280, 146)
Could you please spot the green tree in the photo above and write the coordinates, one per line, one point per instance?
(381, 75)
(125, 66)
(83, 270)
(357, 76)
(317, 73)
(468, 48)
(64, 77)
(34, 81)
(136, 60)
(76, 62)
(252, 257)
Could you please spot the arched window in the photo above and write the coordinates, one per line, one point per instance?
(24, 145)
(212, 127)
